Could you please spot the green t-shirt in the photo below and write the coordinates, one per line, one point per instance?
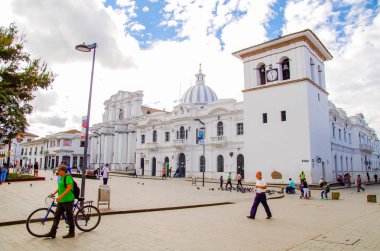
(61, 188)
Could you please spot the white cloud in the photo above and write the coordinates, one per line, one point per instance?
(168, 66)
(137, 27)
(352, 76)
(145, 9)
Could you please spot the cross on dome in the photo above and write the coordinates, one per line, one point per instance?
(200, 76)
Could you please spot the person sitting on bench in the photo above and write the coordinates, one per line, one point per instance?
(291, 189)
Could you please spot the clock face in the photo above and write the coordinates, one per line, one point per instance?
(272, 75)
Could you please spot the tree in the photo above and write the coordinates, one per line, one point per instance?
(20, 76)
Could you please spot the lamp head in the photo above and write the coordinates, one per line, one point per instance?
(85, 47)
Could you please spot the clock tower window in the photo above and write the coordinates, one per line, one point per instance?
(285, 69)
(262, 75)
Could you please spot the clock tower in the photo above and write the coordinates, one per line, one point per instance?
(286, 119)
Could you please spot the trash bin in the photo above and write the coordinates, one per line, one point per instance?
(371, 198)
(194, 181)
(104, 195)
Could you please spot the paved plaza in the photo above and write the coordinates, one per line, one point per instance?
(346, 224)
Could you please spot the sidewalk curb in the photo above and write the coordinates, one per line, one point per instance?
(17, 222)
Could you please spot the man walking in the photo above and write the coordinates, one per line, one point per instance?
(261, 187)
(229, 180)
(35, 169)
(359, 183)
(239, 179)
(106, 174)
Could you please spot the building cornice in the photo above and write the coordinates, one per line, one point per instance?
(295, 81)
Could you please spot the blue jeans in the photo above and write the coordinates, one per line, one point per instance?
(3, 176)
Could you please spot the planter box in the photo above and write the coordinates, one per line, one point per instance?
(87, 176)
(371, 198)
(335, 195)
(26, 179)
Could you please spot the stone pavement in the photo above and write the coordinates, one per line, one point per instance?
(347, 224)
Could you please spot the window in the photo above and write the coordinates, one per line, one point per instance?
(319, 75)
(265, 118)
(202, 164)
(349, 138)
(59, 142)
(154, 136)
(285, 69)
(239, 129)
(283, 115)
(312, 69)
(219, 128)
(319, 97)
(345, 135)
(220, 163)
(67, 142)
(75, 160)
(142, 139)
(340, 134)
(182, 134)
(22, 151)
(262, 74)
(333, 130)
(167, 136)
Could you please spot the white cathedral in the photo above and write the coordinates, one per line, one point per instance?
(285, 125)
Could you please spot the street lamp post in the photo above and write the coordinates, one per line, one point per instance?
(87, 48)
(204, 157)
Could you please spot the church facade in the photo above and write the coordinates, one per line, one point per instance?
(285, 125)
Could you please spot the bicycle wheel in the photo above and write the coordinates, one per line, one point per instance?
(87, 218)
(40, 221)
(30, 171)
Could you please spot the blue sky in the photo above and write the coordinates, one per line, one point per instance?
(151, 14)
(156, 46)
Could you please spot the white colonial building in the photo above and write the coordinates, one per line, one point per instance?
(285, 125)
(16, 152)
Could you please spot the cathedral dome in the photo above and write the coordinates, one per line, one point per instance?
(199, 93)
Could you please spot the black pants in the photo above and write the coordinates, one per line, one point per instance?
(229, 182)
(260, 198)
(239, 183)
(360, 187)
(66, 207)
(105, 181)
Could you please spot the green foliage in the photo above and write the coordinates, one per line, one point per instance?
(22, 176)
(20, 76)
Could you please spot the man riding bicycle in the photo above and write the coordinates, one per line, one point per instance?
(65, 202)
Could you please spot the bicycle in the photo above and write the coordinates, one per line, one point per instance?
(40, 221)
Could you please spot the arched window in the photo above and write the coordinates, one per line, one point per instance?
(285, 69)
(312, 69)
(219, 128)
(220, 163)
(333, 130)
(202, 164)
(319, 75)
(182, 133)
(262, 74)
(352, 167)
(154, 136)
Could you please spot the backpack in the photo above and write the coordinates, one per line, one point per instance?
(76, 189)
